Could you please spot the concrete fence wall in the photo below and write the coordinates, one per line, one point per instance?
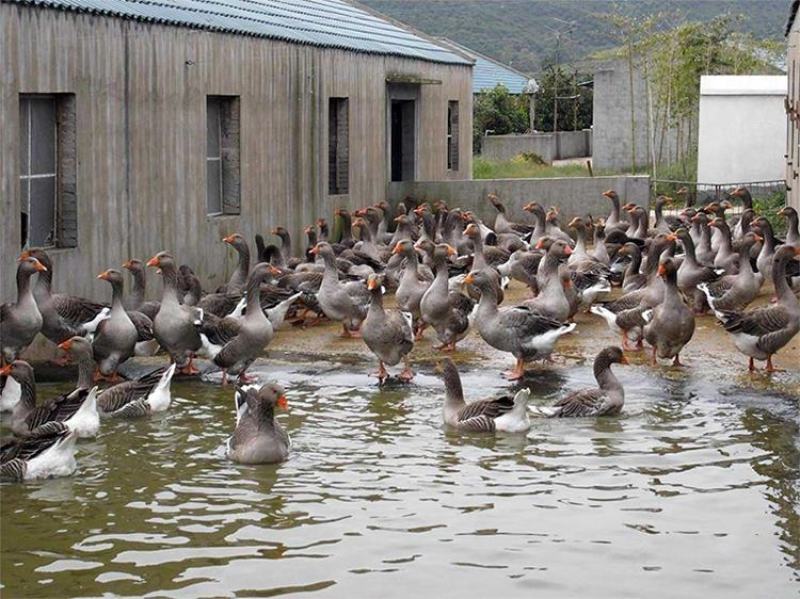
(574, 196)
(549, 146)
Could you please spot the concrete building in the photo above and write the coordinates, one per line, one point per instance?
(742, 128)
(130, 127)
(792, 108)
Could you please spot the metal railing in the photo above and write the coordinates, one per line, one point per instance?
(768, 195)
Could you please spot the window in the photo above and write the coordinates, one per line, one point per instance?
(48, 172)
(338, 146)
(222, 155)
(452, 135)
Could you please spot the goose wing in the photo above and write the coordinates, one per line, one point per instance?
(586, 402)
(116, 397)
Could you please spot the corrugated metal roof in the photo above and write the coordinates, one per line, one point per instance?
(326, 23)
(487, 72)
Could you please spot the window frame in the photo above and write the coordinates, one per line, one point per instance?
(338, 145)
(227, 160)
(453, 149)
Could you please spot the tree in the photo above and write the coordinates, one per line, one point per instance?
(574, 104)
(499, 111)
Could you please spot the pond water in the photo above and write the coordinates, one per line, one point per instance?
(693, 488)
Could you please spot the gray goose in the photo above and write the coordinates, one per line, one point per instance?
(413, 284)
(703, 250)
(63, 316)
(518, 330)
(75, 411)
(258, 437)
(343, 302)
(502, 414)
(764, 261)
(540, 221)
(238, 278)
(236, 342)
(48, 455)
(147, 394)
(552, 301)
(20, 321)
(691, 273)
(446, 311)
(614, 220)
(116, 336)
(388, 335)
(633, 279)
(734, 292)
(136, 301)
(761, 332)
(523, 266)
(606, 399)
(726, 258)
(176, 326)
(792, 232)
(671, 324)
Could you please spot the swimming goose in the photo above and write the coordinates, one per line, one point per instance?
(175, 325)
(502, 414)
(388, 335)
(258, 437)
(76, 410)
(148, 394)
(116, 336)
(671, 324)
(48, 455)
(20, 321)
(761, 332)
(343, 302)
(605, 400)
(446, 311)
(518, 330)
(236, 342)
(62, 315)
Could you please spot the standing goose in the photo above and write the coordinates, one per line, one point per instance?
(136, 301)
(703, 250)
(792, 232)
(20, 321)
(606, 399)
(726, 258)
(734, 292)
(671, 323)
(691, 273)
(62, 315)
(48, 455)
(502, 414)
(77, 410)
(765, 259)
(633, 279)
(239, 276)
(743, 194)
(258, 437)
(447, 312)
(116, 336)
(175, 326)
(388, 335)
(412, 284)
(759, 333)
(241, 340)
(343, 302)
(518, 330)
(147, 394)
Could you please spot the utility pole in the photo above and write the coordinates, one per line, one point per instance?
(566, 29)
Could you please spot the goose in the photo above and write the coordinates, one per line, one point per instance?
(765, 258)
(501, 222)
(522, 266)
(77, 410)
(502, 414)
(343, 302)
(10, 394)
(670, 325)
(147, 394)
(761, 332)
(258, 437)
(792, 232)
(444, 310)
(740, 228)
(703, 250)
(662, 224)
(518, 330)
(413, 284)
(63, 316)
(726, 258)
(540, 221)
(388, 335)
(607, 399)
(136, 301)
(614, 220)
(633, 279)
(50, 454)
(20, 321)
(552, 301)
(238, 278)
(116, 337)
(691, 274)
(175, 325)
(734, 292)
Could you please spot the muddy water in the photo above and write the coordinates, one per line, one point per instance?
(693, 489)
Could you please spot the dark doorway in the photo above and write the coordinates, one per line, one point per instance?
(402, 140)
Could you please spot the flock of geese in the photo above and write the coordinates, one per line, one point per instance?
(448, 271)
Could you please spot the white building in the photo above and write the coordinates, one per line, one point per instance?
(742, 130)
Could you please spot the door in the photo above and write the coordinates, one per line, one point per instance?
(403, 140)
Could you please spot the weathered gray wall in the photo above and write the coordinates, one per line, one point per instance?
(572, 144)
(140, 93)
(793, 124)
(611, 122)
(574, 196)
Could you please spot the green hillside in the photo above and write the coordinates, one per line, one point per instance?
(521, 32)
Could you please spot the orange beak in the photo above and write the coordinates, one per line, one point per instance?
(624, 359)
(661, 270)
(758, 237)
(65, 345)
(103, 275)
(40, 267)
(228, 239)
(5, 370)
(127, 264)
(469, 279)
(608, 193)
(274, 271)
(451, 251)
(154, 261)
(24, 255)
(315, 250)
(672, 237)
(539, 244)
(283, 403)
(396, 249)
(567, 251)
(372, 284)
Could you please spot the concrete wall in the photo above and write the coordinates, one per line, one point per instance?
(613, 145)
(792, 167)
(570, 144)
(741, 138)
(574, 196)
(140, 95)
